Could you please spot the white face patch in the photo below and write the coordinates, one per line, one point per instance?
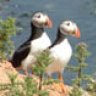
(67, 27)
(39, 19)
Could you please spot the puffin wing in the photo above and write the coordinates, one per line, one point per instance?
(20, 54)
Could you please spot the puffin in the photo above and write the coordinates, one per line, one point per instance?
(25, 56)
(61, 50)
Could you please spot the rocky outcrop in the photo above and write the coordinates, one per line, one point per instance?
(53, 89)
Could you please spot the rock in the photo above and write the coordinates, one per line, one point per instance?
(53, 89)
(6, 69)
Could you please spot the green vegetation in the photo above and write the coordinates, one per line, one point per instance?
(31, 88)
(91, 87)
(43, 59)
(7, 30)
(26, 88)
(76, 91)
(81, 55)
(12, 88)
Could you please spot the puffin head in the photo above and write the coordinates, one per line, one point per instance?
(41, 20)
(69, 28)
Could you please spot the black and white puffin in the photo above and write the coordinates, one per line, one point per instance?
(60, 50)
(24, 56)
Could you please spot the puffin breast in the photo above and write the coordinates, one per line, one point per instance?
(41, 43)
(60, 55)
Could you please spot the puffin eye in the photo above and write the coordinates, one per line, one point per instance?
(68, 24)
(38, 16)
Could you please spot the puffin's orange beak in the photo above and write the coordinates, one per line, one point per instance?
(49, 23)
(77, 34)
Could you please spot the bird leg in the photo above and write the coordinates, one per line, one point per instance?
(60, 77)
(62, 86)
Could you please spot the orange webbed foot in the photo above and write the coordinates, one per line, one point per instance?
(63, 89)
(61, 84)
